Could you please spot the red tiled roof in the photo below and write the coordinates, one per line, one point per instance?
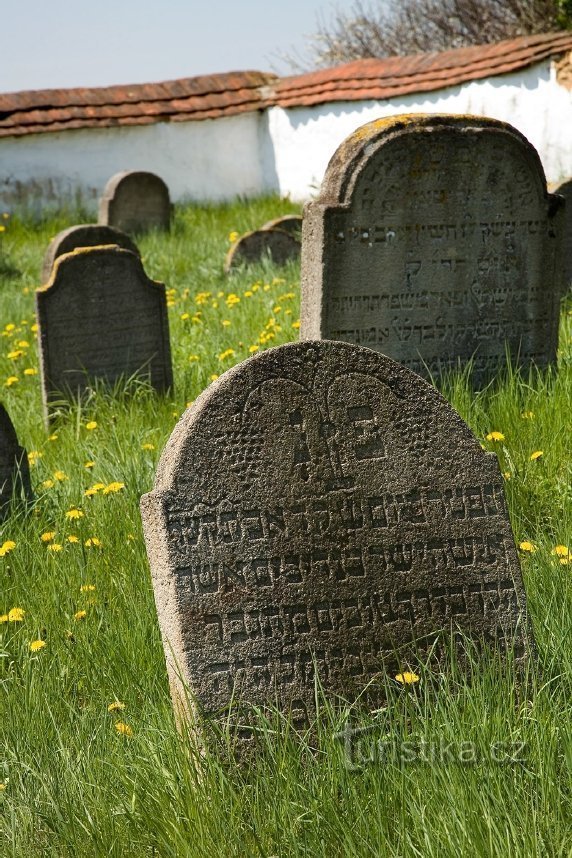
(210, 96)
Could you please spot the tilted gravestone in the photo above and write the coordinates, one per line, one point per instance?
(83, 235)
(321, 506)
(14, 469)
(287, 223)
(101, 317)
(135, 201)
(279, 245)
(433, 240)
(564, 189)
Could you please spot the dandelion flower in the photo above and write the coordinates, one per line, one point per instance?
(48, 536)
(11, 380)
(73, 538)
(495, 436)
(527, 415)
(53, 437)
(253, 349)
(89, 465)
(561, 551)
(16, 615)
(536, 455)
(116, 706)
(214, 376)
(296, 324)
(527, 546)
(30, 370)
(407, 678)
(74, 514)
(33, 456)
(80, 615)
(3, 618)
(185, 316)
(6, 547)
(232, 236)
(193, 358)
(92, 542)
(506, 475)
(35, 646)
(91, 425)
(87, 588)
(48, 484)
(147, 446)
(112, 488)
(54, 547)
(60, 476)
(123, 729)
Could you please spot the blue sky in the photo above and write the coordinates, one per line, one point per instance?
(66, 43)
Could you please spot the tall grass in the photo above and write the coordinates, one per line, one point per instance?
(448, 769)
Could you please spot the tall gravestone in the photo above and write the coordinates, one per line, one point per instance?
(320, 507)
(83, 235)
(14, 469)
(135, 201)
(434, 241)
(564, 189)
(101, 317)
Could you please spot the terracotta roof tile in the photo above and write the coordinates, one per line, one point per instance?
(211, 96)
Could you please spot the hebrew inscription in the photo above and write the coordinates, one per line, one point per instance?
(322, 509)
(435, 242)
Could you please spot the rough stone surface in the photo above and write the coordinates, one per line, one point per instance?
(564, 189)
(135, 201)
(281, 246)
(101, 317)
(83, 235)
(14, 469)
(434, 241)
(288, 223)
(321, 504)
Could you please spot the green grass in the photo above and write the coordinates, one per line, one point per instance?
(74, 786)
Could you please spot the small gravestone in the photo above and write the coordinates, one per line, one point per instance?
(101, 317)
(287, 223)
(251, 247)
(135, 201)
(564, 189)
(83, 235)
(14, 469)
(320, 507)
(435, 242)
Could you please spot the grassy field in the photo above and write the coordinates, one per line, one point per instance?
(90, 761)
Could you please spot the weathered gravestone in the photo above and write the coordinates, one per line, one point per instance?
(322, 507)
(280, 245)
(434, 241)
(83, 235)
(564, 189)
(135, 201)
(101, 317)
(287, 223)
(14, 469)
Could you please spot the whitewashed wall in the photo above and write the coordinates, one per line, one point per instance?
(279, 150)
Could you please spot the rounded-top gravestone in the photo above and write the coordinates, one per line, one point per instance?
(83, 235)
(135, 202)
(288, 223)
(277, 244)
(322, 508)
(434, 241)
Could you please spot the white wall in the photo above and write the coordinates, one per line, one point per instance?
(260, 152)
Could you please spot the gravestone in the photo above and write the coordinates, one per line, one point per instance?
(564, 189)
(287, 223)
(14, 469)
(83, 235)
(279, 245)
(101, 317)
(135, 201)
(434, 241)
(321, 506)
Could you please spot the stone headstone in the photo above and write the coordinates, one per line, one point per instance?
(321, 505)
(287, 223)
(14, 469)
(279, 245)
(434, 241)
(83, 235)
(135, 201)
(101, 317)
(564, 189)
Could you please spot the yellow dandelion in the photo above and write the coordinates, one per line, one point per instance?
(11, 380)
(226, 323)
(495, 436)
(296, 324)
(147, 446)
(232, 236)
(193, 358)
(91, 425)
(48, 536)
(111, 488)
(253, 348)
(73, 538)
(214, 376)
(185, 316)
(561, 551)
(248, 293)
(506, 475)
(232, 299)
(34, 455)
(34, 328)
(54, 547)
(536, 455)
(23, 344)
(31, 370)
(80, 615)
(123, 729)
(527, 546)
(527, 415)
(48, 484)
(60, 476)
(407, 678)
(87, 588)
(116, 706)
(92, 542)
(74, 514)
(53, 437)
(228, 353)
(15, 354)
(266, 287)
(89, 465)
(7, 547)
(3, 618)
(16, 615)
(10, 327)
(35, 646)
